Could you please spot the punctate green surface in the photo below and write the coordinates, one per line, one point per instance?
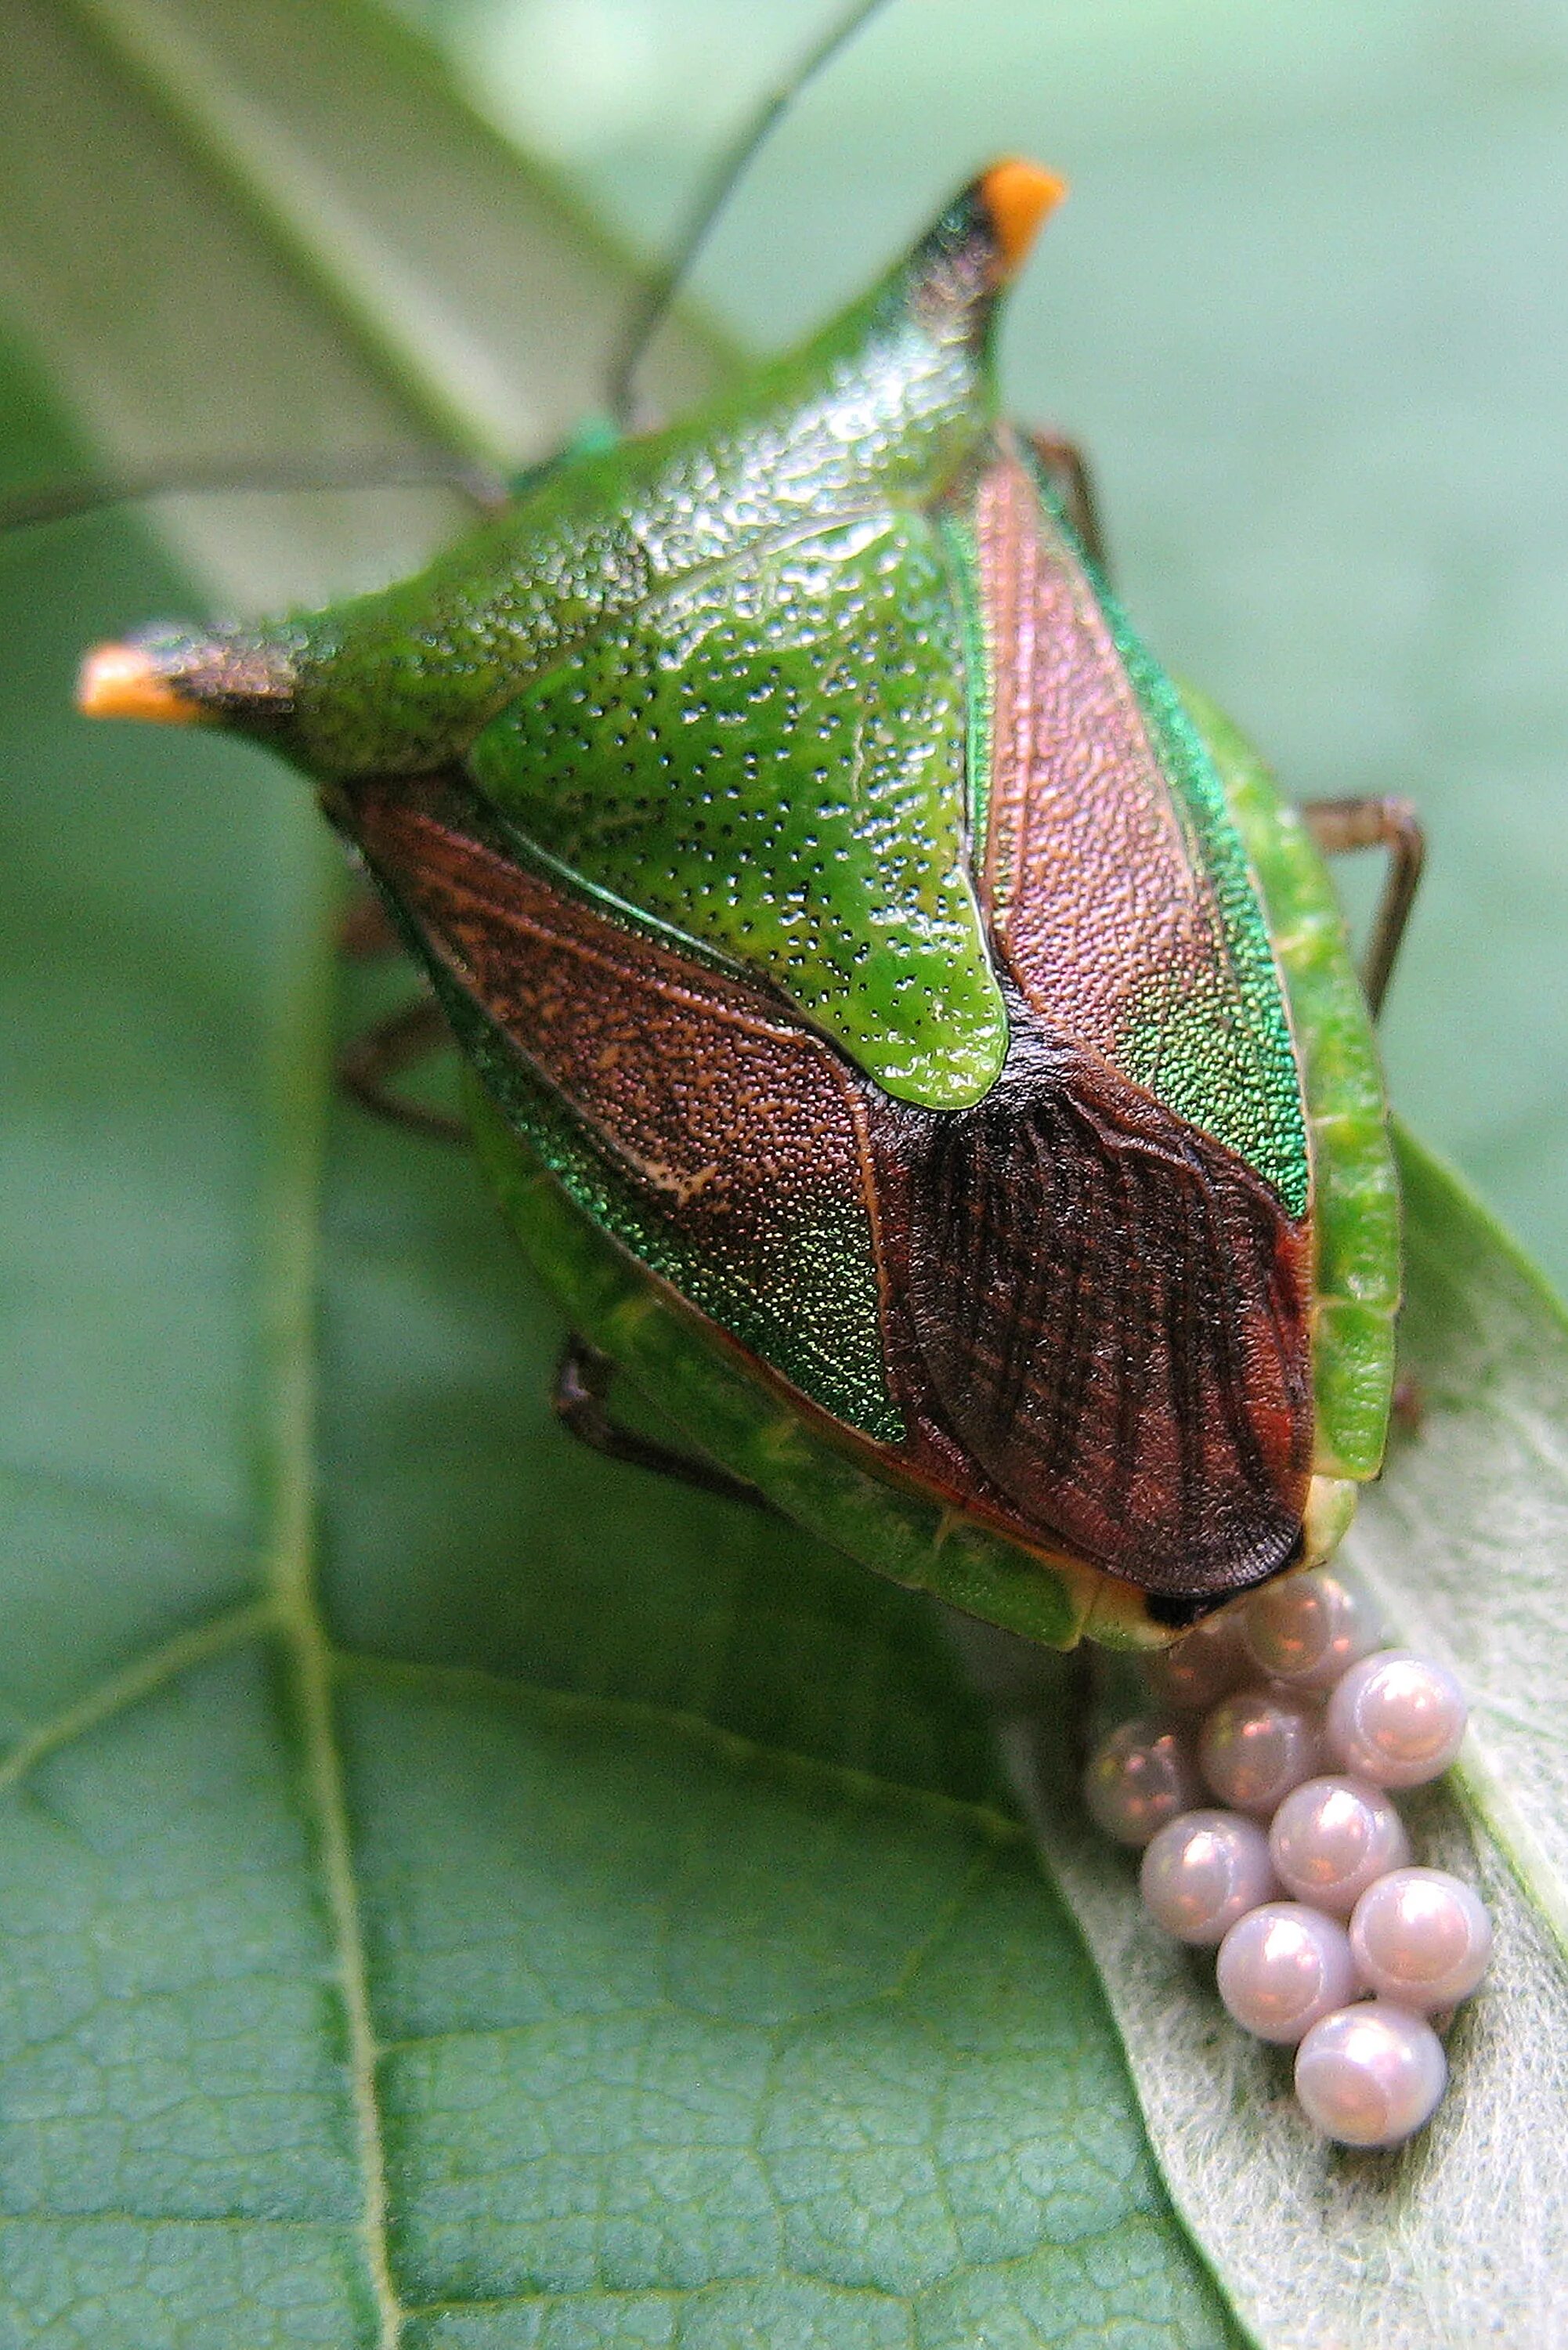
(1356, 1186)
(770, 761)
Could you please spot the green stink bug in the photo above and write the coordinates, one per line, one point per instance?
(913, 1040)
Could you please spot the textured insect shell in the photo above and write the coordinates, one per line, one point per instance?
(808, 1278)
(773, 1077)
(684, 565)
(716, 1395)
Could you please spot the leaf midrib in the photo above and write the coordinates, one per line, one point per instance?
(298, 1099)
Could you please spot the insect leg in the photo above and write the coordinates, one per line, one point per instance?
(366, 1067)
(582, 1387)
(485, 489)
(1063, 463)
(1392, 823)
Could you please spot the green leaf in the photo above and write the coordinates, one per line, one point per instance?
(454, 1888)
(456, 1893)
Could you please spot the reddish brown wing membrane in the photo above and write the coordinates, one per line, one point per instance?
(1112, 1315)
(1091, 890)
(1080, 1305)
(723, 1143)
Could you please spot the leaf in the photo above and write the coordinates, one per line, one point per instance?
(441, 1870)
(455, 1891)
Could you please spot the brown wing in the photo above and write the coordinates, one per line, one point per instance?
(1094, 1319)
(1112, 1315)
(1114, 878)
(686, 1113)
(1087, 874)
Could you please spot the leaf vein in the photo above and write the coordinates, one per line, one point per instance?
(301, 1091)
(140, 1679)
(999, 1827)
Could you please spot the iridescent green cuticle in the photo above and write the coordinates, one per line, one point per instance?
(1220, 1056)
(1357, 1221)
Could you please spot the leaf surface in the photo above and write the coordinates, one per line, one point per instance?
(456, 1890)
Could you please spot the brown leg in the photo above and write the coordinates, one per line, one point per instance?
(582, 1387)
(405, 1037)
(1392, 823)
(1064, 462)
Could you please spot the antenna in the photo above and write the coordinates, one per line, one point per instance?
(369, 470)
(651, 306)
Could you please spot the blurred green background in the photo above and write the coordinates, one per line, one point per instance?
(1307, 310)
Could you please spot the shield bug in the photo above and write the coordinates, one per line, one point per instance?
(912, 1039)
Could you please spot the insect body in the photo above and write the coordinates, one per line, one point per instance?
(912, 1039)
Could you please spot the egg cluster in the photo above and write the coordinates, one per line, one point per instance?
(1290, 1713)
